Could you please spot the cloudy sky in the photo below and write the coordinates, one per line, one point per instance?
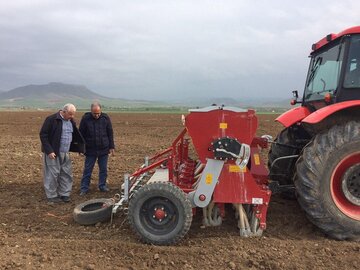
(167, 49)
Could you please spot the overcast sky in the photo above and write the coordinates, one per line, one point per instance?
(167, 49)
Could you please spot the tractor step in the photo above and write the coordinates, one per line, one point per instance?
(275, 188)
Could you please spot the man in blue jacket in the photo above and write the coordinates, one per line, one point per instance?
(59, 136)
(97, 130)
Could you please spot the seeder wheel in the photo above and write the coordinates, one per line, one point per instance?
(160, 213)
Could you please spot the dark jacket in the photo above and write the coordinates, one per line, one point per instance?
(50, 135)
(98, 134)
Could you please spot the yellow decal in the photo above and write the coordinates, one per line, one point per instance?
(208, 179)
(223, 125)
(256, 159)
(236, 168)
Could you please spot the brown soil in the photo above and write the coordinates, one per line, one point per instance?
(34, 235)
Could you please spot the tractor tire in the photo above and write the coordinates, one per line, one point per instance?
(160, 213)
(283, 170)
(93, 211)
(327, 181)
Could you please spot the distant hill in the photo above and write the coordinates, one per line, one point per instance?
(50, 91)
(55, 95)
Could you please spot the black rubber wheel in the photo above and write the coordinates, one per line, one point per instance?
(327, 181)
(283, 170)
(93, 211)
(160, 213)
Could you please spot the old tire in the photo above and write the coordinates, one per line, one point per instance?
(160, 213)
(283, 170)
(93, 211)
(327, 162)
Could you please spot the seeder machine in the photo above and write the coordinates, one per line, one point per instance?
(164, 194)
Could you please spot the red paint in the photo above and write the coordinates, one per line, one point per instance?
(159, 214)
(204, 128)
(239, 187)
(345, 206)
(327, 98)
(234, 186)
(202, 197)
(293, 116)
(324, 112)
(322, 42)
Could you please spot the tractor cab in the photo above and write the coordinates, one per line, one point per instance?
(334, 71)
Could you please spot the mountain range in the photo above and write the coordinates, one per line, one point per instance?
(56, 94)
(50, 91)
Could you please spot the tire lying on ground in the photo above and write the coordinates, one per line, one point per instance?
(327, 181)
(93, 211)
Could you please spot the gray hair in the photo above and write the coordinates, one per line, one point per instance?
(95, 104)
(69, 108)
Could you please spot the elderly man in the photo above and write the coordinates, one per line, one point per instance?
(97, 130)
(59, 136)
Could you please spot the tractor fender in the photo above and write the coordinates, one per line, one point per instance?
(293, 116)
(323, 113)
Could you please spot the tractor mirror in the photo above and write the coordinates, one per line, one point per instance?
(295, 94)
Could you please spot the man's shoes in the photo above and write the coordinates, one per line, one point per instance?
(104, 189)
(65, 199)
(54, 200)
(83, 193)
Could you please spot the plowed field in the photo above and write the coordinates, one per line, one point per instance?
(35, 235)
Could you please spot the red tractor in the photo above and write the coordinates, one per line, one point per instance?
(318, 151)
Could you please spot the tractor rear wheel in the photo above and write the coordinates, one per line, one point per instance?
(285, 145)
(327, 181)
(160, 213)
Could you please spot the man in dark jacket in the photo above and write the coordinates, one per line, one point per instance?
(97, 130)
(59, 136)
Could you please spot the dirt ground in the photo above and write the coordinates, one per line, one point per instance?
(35, 235)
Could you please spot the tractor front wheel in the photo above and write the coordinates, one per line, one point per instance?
(327, 181)
(160, 213)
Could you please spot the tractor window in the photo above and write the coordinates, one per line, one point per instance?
(352, 73)
(324, 73)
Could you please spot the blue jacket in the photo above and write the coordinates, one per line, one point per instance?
(98, 134)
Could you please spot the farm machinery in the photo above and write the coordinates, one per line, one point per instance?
(318, 151)
(162, 196)
(171, 187)
(316, 157)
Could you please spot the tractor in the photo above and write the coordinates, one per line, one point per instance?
(318, 151)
